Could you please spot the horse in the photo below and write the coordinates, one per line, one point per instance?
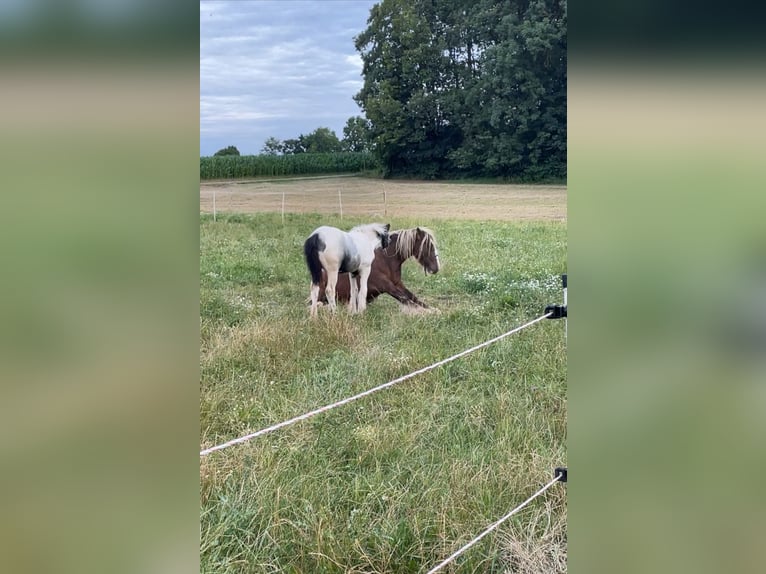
(334, 251)
(386, 273)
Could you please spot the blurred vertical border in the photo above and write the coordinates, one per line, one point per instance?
(98, 306)
(99, 298)
(667, 291)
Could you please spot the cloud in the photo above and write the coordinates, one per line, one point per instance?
(354, 60)
(277, 69)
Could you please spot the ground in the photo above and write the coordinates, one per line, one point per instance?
(386, 198)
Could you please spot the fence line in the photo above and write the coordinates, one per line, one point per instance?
(369, 391)
(346, 193)
(371, 203)
(493, 526)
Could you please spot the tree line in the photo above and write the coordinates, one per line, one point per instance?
(356, 138)
(467, 87)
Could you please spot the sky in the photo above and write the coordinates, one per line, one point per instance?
(277, 68)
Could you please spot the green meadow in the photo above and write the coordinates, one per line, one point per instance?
(398, 480)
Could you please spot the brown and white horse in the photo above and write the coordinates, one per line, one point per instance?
(386, 271)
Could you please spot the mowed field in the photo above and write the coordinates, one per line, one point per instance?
(398, 480)
(376, 197)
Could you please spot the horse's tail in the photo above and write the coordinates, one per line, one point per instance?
(311, 249)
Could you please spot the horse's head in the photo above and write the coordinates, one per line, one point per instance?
(427, 254)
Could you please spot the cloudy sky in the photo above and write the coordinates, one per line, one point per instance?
(277, 68)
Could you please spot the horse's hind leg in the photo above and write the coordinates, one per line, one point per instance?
(332, 280)
(314, 299)
(353, 305)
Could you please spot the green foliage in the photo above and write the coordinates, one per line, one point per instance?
(357, 134)
(227, 151)
(321, 140)
(272, 146)
(223, 167)
(395, 481)
(472, 88)
(294, 145)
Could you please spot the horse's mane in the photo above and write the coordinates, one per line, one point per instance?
(378, 228)
(405, 243)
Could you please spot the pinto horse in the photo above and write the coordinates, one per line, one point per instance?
(334, 251)
(386, 274)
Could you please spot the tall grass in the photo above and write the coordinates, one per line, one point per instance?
(396, 481)
(232, 166)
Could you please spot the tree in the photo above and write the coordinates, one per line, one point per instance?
(321, 140)
(356, 134)
(403, 89)
(230, 150)
(293, 146)
(272, 146)
(519, 124)
(466, 87)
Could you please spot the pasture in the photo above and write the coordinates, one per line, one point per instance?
(396, 481)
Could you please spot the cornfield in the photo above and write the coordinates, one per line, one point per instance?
(232, 166)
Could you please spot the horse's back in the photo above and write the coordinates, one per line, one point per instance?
(325, 229)
(326, 237)
(326, 233)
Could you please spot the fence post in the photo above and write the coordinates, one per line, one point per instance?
(283, 208)
(385, 203)
(564, 283)
(560, 311)
(214, 203)
(340, 203)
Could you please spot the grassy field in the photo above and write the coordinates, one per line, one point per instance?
(396, 481)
